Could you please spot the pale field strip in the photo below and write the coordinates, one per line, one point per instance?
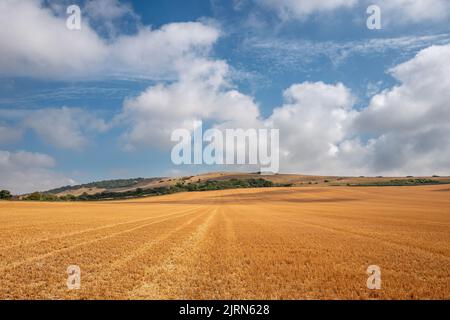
(263, 273)
(98, 285)
(205, 276)
(275, 243)
(176, 266)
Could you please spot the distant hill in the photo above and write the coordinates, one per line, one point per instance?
(159, 185)
(100, 186)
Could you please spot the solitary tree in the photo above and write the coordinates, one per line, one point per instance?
(5, 195)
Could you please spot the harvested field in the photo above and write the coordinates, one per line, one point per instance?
(280, 243)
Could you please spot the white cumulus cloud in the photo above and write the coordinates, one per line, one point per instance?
(411, 121)
(203, 92)
(35, 42)
(405, 130)
(313, 121)
(24, 172)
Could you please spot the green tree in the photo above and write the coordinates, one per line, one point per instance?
(5, 195)
(84, 197)
(35, 196)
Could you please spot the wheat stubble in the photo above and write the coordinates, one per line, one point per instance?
(280, 243)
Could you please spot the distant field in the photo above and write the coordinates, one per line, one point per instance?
(314, 242)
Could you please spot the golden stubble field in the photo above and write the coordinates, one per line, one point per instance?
(280, 243)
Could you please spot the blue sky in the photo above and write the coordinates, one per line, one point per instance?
(84, 105)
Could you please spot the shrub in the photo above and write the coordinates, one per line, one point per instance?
(69, 197)
(37, 196)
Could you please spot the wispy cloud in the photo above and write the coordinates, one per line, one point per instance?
(300, 53)
(108, 91)
(65, 128)
(396, 11)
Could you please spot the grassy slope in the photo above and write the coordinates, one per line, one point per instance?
(292, 179)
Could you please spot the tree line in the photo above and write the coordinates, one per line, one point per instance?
(181, 186)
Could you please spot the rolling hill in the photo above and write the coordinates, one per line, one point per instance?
(226, 180)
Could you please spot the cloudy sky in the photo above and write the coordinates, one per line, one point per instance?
(101, 102)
